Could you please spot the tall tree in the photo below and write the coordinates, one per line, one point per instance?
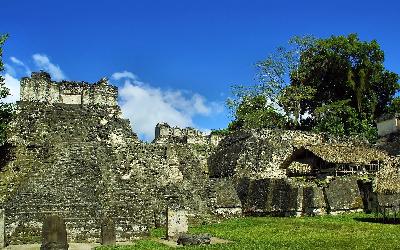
(274, 75)
(5, 108)
(291, 97)
(323, 77)
(342, 68)
(256, 112)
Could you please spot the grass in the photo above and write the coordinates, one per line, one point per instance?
(325, 232)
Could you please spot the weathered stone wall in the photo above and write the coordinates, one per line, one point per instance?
(167, 134)
(83, 163)
(292, 196)
(224, 199)
(257, 154)
(273, 196)
(65, 163)
(164, 133)
(40, 88)
(343, 194)
(388, 126)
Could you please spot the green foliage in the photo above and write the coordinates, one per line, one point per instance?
(274, 71)
(345, 68)
(291, 97)
(224, 131)
(394, 106)
(340, 119)
(339, 82)
(5, 109)
(255, 112)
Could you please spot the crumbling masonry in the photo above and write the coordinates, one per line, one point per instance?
(71, 154)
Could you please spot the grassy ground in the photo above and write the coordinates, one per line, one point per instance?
(356, 231)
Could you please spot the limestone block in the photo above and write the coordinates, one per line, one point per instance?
(273, 196)
(343, 194)
(188, 240)
(54, 234)
(177, 223)
(227, 202)
(2, 229)
(313, 201)
(108, 236)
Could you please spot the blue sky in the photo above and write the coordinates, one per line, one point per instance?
(183, 55)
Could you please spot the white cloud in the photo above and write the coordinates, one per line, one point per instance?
(16, 61)
(43, 62)
(145, 106)
(9, 69)
(124, 74)
(20, 64)
(13, 85)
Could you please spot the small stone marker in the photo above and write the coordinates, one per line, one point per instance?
(54, 234)
(2, 229)
(177, 223)
(188, 239)
(108, 232)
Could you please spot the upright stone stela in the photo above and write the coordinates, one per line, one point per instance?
(2, 229)
(108, 236)
(54, 234)
(177, 223)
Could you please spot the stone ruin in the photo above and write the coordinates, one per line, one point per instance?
(71, 154)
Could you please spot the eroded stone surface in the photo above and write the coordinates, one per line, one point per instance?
(194, 239)
(54, 234)
(343, 194)
(108, 236)
(177, 223)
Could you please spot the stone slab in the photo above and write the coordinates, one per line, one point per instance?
(174, 244)
(177, 223)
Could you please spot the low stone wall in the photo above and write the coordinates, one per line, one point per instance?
(313, 201)
(288, 197)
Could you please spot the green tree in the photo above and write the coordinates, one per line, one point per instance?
(5, 108)
(291, 98)
(395, 106)
(340, 119)
(255, 112)
(273, 75)
(342, 68)
(321, 77)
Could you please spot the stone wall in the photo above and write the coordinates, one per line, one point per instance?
(291, 196)
(257, 154)
(84, 163)
(167, 134)
(343, 194)
(40, 88)
(65, 163)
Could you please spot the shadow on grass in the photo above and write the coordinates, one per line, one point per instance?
(379, 220)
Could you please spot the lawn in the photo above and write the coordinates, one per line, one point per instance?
(355, 231)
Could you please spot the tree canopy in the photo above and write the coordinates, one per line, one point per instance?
(337, 85)
(5, 108)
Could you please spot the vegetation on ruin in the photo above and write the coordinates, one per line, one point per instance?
(353, 231)
(5, 108)
(337, 85)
